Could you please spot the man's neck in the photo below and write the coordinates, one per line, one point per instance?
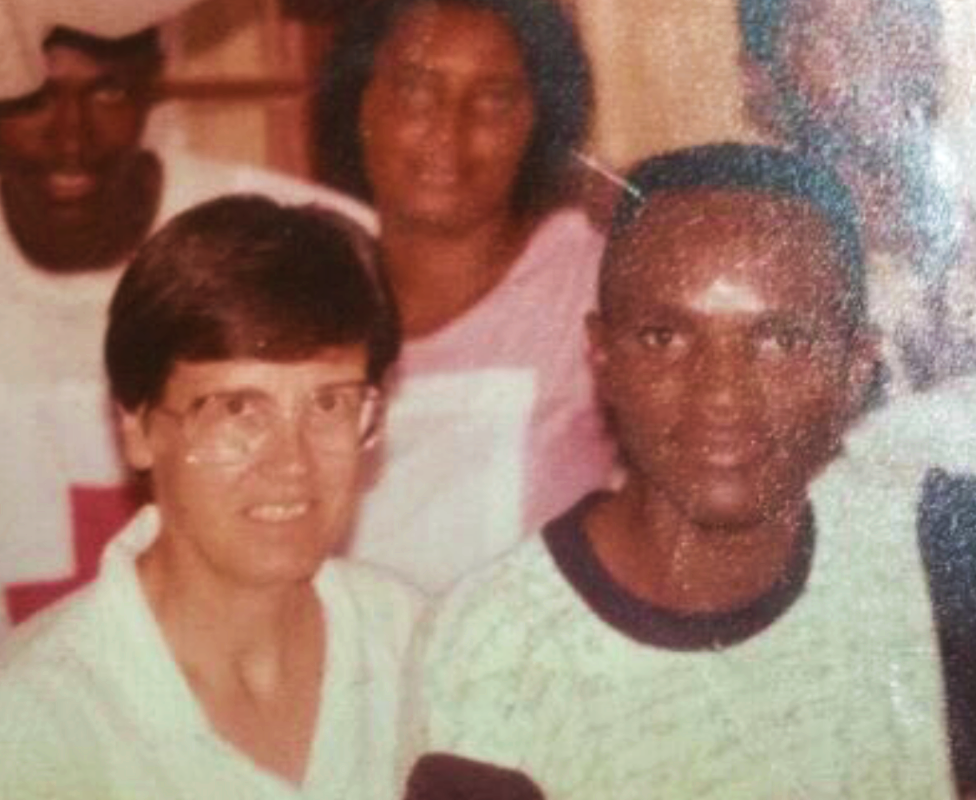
(657, 554)
(437, 276)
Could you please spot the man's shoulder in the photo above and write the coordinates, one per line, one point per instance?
(384, 606)
(502, 608)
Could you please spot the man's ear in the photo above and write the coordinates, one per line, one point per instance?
(863, 369)
(133, 429)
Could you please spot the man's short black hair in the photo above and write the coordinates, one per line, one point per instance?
(558, 73)
(752, 168)
(245, 277)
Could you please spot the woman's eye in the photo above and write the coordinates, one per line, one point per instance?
(327, 401)
(415, 95)
(493, 102)
(234, 405)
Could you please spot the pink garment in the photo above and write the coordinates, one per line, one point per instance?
(493, 427)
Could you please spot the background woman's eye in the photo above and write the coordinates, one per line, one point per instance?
(493, 102)
(415, 94)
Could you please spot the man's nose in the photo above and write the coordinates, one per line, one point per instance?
(725, 381)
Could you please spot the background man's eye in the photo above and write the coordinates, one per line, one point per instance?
(111, 94)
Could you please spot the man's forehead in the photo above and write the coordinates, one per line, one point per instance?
(724, 249)
(678, 220)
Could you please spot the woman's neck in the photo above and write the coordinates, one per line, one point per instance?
(215, 627)
(437, 277)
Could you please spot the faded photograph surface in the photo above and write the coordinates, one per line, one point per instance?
(470, 399)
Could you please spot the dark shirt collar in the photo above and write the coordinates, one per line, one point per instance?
(573, 554)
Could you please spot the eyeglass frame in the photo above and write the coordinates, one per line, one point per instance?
(370, 416)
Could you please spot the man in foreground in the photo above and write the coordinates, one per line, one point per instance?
(747, 617)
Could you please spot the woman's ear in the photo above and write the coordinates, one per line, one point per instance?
(133, 429)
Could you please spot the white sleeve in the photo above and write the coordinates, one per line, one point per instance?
(45, 753)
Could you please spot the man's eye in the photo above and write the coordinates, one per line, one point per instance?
(110, 94)
(658, 336)
(785, 340)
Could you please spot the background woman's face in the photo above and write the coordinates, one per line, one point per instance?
(446, 118)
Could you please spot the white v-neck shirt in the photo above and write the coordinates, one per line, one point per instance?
(93, 705)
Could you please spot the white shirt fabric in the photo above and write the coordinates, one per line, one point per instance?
(94, 705)
(60, 438)
(915, 432)
(839, 697)
(492, 425)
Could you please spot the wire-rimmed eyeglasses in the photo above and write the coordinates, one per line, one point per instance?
(235, 426)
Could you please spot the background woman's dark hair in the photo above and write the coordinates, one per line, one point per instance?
(558, 72)
(244, 277)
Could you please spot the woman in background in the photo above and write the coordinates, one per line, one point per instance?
(458, 119)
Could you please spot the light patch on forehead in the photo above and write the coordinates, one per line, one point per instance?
(725, 296)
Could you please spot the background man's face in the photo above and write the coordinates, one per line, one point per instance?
(67, 152)
(725, 353)
(867, 72)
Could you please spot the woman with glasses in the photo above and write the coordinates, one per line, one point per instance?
(222, 652)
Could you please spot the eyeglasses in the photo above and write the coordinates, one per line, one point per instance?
(233, 427)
